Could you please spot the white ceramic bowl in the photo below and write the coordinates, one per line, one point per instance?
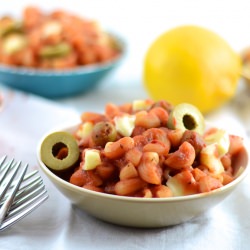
(142, 212)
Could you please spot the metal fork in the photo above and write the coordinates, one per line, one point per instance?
(20, 193)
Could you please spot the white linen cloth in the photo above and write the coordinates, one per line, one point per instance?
(57, 225)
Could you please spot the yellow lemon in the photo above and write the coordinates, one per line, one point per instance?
(191, 64)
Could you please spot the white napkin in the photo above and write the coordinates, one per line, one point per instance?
(57, 224)
(24, 119)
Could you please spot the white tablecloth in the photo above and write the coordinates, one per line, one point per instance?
(57, 224)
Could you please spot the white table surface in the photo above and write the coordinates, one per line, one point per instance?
(24, 119)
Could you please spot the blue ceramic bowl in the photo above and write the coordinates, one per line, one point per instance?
(58, 84)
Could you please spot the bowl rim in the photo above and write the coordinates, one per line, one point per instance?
(72, 187)
(78, 70)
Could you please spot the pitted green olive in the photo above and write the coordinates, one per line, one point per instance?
(9, 25)
(185, 116)
(59, 151)
(52, 51)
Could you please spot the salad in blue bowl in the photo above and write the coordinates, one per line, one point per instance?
(55, 54)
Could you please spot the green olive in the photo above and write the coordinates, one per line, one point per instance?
(58, 50)
(9, 25)
(103, 132)
(185, 116)
(59, 151)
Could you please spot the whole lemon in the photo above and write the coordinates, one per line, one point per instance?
(191, 64)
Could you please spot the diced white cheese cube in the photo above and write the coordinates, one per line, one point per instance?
(138, 105)
(51, 28)
(221, 138)
(85, 130)
(209, 157)
(175, 186)
(182, 184)
(125, 124)
(92, 159)
(14, 43)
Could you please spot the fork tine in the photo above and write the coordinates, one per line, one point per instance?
(27, 202)
(26, 177)
(28, 195)
(26, 187)
(2, 160)
(37, 201)
(7, 204)
(10, 178)
(5, 170)
(29, 188)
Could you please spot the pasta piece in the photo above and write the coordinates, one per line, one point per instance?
(149, 169)
(157, 134)
(175, 136)
(129, 186)
(134, 156)
(236, 144)
(208, 183)
(140, 141)
(227, 178)
(198, 173)
(226, 161)
(92, 117)
(181, 158)
(161, 113)
(183, 183)
(116, 149)
(81, 178)
(127, 172)
(112, 110)
(157, 146)
(106, 171)
(78, 178)
(147, 120)
(161, 191)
